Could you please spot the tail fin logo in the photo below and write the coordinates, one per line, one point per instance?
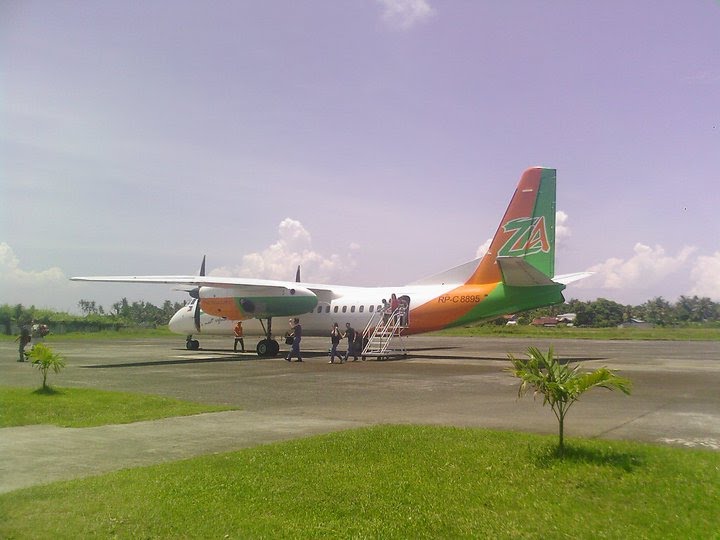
(528, 236)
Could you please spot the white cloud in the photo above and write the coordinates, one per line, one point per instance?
(705, 276)
(28, 287)
(404, 14)
(645, 269)
(13, 276)
(562, 231)
(293, 249)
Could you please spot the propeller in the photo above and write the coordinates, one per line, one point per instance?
(195, 293)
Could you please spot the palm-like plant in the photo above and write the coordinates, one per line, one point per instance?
(45, 359)
(560, 385)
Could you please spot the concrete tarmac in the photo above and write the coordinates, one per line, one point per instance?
(443, 380)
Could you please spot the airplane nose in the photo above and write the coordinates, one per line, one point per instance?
(183, 322)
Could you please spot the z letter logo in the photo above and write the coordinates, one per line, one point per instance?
(529, 236)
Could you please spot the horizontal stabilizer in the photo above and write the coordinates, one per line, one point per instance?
(517, 272)
(565, 279)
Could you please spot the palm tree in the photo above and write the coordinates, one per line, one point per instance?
(560, 385)
(45, 359)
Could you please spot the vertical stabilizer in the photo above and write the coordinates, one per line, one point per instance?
(527, 229)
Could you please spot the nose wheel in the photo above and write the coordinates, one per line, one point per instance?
(192, 344)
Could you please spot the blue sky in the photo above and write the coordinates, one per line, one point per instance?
(373, 142)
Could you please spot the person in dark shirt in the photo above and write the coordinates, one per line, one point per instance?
(335, 337)
(297, 336)
(350, 335)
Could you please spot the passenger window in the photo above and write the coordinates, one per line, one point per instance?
(372, 308)
(319, 310)
(362, 308)
(335, 309)
(344, 310)
(352, 309)
(327, 309)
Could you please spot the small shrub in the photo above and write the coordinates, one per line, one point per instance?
(45, 359)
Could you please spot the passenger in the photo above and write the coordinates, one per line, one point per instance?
(404, 308)
(358, 345)
(238, 330)
(350, 335)
(24, 339)
(394, 305)
(335, 337)
(296, 335)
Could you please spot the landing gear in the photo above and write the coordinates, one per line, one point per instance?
(192, 344)
(267, 346)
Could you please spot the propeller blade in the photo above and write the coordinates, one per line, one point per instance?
(196, 315)
(202, 267)
(297, 275)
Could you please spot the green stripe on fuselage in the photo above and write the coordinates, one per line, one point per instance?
(275, 306)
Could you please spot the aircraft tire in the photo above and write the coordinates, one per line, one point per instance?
(263, 347)
(192, 345)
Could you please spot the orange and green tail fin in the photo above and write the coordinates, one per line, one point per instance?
(527, 230)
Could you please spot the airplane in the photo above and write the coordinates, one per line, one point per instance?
(514, 275)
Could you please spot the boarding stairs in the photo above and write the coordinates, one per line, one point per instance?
(382, 335)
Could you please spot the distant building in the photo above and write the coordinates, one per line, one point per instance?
(545, 321)
(636, 323)
(566, 319)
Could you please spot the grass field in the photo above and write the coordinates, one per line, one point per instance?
(82, 407)
(390, 482)
(689, 333)
(684, 333)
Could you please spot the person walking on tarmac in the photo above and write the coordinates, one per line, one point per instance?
(238, 330)
(297, 336)
(335, 337)
(350, 335)
(24, 339)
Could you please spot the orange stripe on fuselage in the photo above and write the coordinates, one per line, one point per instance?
(442, 311)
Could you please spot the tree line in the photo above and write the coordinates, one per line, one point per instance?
(122, 314)
(603, 313)
(595, 313)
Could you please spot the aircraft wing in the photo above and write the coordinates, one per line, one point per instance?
(240, 286)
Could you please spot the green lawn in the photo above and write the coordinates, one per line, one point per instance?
(390, 482)
(83, 407)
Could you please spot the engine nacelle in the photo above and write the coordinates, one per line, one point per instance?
(239, 303)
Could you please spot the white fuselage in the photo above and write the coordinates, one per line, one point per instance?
(354, 305)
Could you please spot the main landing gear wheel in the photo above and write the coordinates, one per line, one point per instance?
(268, 347)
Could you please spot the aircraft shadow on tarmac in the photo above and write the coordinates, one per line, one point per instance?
(223, 355)
(232, 358)
(412, 354)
